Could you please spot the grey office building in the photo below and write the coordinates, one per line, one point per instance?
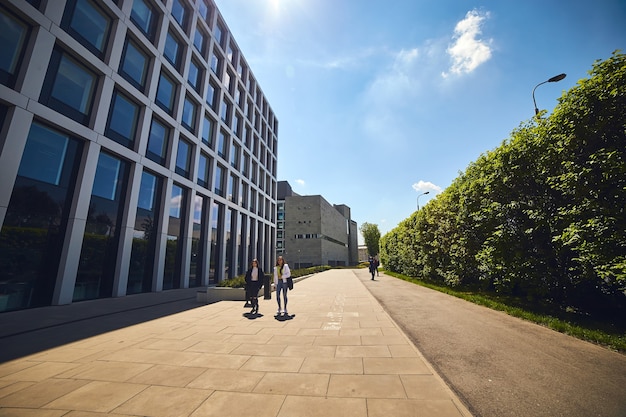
(311, 231)
(137, 151)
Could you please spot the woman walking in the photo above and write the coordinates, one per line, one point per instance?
(281, 273)
(254, 282)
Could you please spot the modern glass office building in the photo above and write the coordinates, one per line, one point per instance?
(137, 151)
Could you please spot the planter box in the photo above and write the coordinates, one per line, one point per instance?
(215, 294)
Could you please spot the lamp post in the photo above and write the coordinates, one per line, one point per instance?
(418, 198)
(554, 79)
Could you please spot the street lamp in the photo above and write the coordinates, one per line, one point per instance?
(551, 80)
(418, 198)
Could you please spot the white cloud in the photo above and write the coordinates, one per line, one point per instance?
(426, 186)
(469, 51)
(301, 183)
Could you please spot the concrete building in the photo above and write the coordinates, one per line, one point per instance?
(137, 151)
(311, 231)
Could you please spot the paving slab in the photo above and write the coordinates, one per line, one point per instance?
(337, 353)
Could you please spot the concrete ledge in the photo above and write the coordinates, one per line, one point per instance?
(215, 294)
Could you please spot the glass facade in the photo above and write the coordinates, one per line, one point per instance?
(98, 256)
(145, 233)
(127, 177)
(13, 37)
(34, 227)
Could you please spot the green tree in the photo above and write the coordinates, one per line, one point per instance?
(371, 236)
(541, 217)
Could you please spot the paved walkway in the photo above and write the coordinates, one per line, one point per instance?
(338, 354)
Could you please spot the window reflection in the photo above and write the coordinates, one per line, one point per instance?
(175, 230)
(165, 93)
(123, 120)
(197, 242)
(144, 16)
(34, 226)
(88, 24)
(217, 212)
(183, 158)
(12, 40)
(98, 256)
(157, 142)
(141, 269)
(134, 65)
(69, 87)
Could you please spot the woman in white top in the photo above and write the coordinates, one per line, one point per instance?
(281, 273)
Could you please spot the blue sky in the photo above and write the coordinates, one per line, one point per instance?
(380, 101)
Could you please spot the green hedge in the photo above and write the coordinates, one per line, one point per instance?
(240, 282)
(540, 218)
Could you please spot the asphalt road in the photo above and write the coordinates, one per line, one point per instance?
(500, 365)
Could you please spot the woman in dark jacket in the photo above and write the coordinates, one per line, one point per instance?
(254, 282)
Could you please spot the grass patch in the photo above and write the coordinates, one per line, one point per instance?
(610, 335)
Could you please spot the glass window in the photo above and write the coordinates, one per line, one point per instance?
(234, 155)
(88, 23)
(228, 81)
(107, 177)
(34, 3)
(195, 75)
(216, 63)
(204, 165)
(190, 108)
(123, 119)
(198, 240)
(144, 15)
(98, 258)
(246, 164)
(134, 64)
(219, 180)
(157, 142)
(252, 207)
(180, 13)
(175, 231)
(240, 68)
(211, 95)
(222, 145)
(255, 169)
(69, 87)
(176, 202)
(183, 158)
(166, 92)
(204, 9)
(12, 40)
(243, 194)
(43, 159)
(207, 130)
(141, 269)
(219, 34)
(199, 40)
(230, 53)
(232, 187)
(225, 112)
(33, 230)
(217, 215)
(147, 191)
(173, 51)
(237, 125)
(246, 135)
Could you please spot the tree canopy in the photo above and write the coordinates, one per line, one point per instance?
(371, 236)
